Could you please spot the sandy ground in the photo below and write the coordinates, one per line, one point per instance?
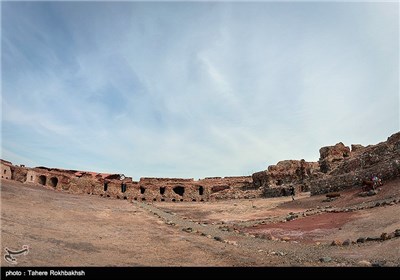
(62, 229)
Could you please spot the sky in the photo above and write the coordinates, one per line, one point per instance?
(194, 89)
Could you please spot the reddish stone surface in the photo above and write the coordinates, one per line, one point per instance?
(307, 229)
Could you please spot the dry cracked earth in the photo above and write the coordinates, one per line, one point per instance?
(63, 229)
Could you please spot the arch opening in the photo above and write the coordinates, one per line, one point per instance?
(179, 190)
(42, 180)
(53, 182)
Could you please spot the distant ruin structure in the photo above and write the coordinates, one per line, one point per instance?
(338, 168)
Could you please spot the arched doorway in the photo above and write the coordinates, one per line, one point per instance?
(179, 190)
(42, 180)
(53, 182)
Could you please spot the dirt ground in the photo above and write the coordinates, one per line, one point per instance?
(62, 229)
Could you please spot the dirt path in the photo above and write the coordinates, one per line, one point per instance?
(204, 229)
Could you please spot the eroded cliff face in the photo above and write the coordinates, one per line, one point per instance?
(338, 168)
(382, 160)
(331, 156)
(276, 180)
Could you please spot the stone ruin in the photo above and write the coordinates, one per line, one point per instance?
(277, 179)
(343, 168)
(120, 187)
(338, 168)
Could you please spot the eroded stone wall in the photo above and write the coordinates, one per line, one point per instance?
(382, 160)
(338, 168)
(146, 189)
(6, 170)
(276, 180)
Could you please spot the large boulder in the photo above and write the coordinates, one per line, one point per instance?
(330, 156)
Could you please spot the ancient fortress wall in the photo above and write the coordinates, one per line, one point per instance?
(113, 186)
(338, 168)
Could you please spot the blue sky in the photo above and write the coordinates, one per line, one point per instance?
(194, 89)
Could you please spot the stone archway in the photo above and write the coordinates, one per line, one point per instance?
(179, 190)
(42, 180)
(54, 182)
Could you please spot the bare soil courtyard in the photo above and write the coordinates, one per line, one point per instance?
(63, 229)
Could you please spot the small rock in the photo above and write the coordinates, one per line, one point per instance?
(346, 242)
(189, 229)
(289, 218)
(377, 204)
(373, 239)
(372, 192)
(267, 236)
(384, 236)
(361, 240)
(261, 250)
(325, 259)
(208, 236)
(285, 238)
(218, 238)
(317, 243)
(397, 232)
(378, 263)
(336, 243)
(364, 263)
(234, 243)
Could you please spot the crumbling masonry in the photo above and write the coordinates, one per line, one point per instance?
(338, 168)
